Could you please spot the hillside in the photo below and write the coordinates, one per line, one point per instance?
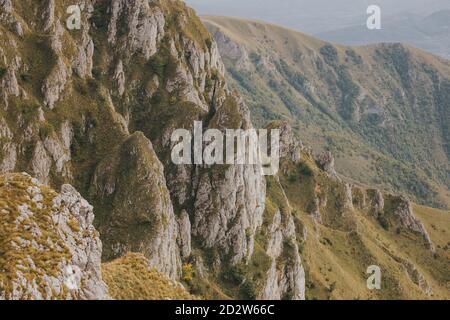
(343, 228)
(382, 110)
(91, 112)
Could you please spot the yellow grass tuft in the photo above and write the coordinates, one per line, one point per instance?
(131, 278)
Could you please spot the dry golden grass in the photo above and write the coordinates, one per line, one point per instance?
(16, 252)
(130, 278)
(336, 262)
(336, 255)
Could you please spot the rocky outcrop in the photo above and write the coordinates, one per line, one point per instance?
(417, 278)
(41, 163)
(183, 85)
(184, 235)
(228, 211)
(9, 19)
(348, 196)
(6, 5)
(376, 199)
(175, 64)
(233, 51)
(82, 63)
(144, 23)
(119, 77)
(138, 212)
(8, 83)
(315, 212)
(326, 162)
(286, 276)
(405, 215)
(8, 153)
(50, 248)
(229, 200)
(48, 14)
(55, 83)
(8, 156)
(290, 146)
(54, 151)
(60, 152)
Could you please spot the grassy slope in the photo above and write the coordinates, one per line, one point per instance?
(397, 140)
(337, 253)
(130, 278)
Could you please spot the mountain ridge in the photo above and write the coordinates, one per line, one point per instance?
(95, 108)
(281, 72)
(429, 33)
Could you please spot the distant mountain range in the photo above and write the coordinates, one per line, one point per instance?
(317, 16)
(423, 24)
(431, 33)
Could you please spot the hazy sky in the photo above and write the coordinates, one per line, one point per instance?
(314, 16)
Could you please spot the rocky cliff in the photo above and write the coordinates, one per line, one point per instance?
(49, 247)
(51, 250)
(96, 107)
(96, 97)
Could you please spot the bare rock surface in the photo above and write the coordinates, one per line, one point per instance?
(51, 249)
(132, 190)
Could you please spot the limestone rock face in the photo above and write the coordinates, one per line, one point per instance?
(229, 200)
(51, 248)
(6, 5)
(228, 210)
(326, 161)
(348, 201)
(183, 84)
(290, 146)
(82, 63)
(54, 84)
(376, 199)
(48, 14)
(404, 212)
(60, 153)
(41, 163)
(8, 18)
(8, 157)
(285, 277)
(119, 76)
(85, 244)
(9, 83)
(232, 51)
(145, 25)
(184, 235)
(174, 67)
(8, 153)
(55, 151)
(138, 212)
